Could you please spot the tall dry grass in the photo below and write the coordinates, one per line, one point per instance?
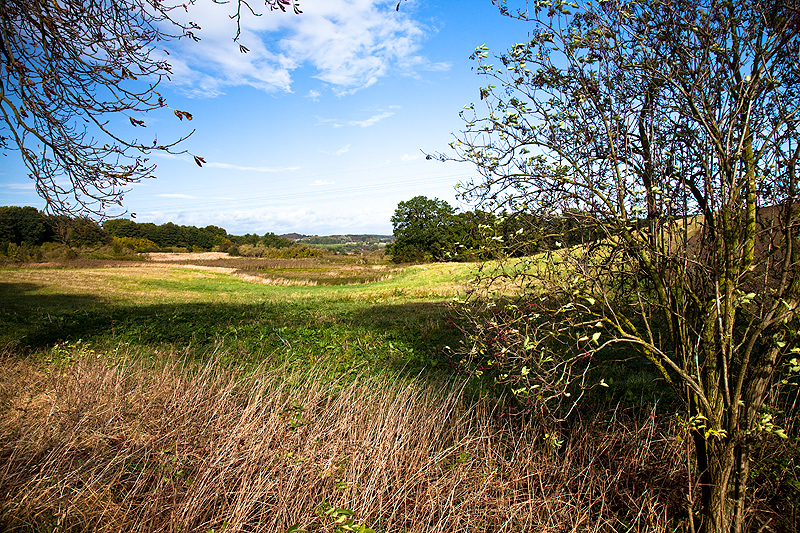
(105, 446)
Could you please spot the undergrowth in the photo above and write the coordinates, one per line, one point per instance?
(98, 442)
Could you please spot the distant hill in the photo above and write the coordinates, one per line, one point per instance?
(338, 239)
(293, 236)
(343, 243)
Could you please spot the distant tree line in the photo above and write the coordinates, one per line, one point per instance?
(349, 243)
(293, 251)
(350, 238)
(424, 230)
(25, 224)
(25, 229)
(169, 235)
(432, 230)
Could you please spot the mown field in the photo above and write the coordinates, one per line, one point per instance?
(201, 395)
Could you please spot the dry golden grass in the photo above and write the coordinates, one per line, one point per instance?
(100, 445)
(183, 257)
(304, 272)
(330, 270)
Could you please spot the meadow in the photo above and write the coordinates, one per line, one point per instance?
(157, 305)
(201, 394)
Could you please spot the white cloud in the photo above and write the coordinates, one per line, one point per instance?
(408, 157)
(371, 121)
(350, 44)
(281, 220)
(323, 182)
(313, 95)
(250, 169)
(438, 67)
(341, 151)
(193, 83)
(227, 166)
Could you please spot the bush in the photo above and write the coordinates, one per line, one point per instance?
(134, 244)
(223, 245)
(20, 253)
(56, 251)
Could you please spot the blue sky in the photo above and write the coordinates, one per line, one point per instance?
(321, 127)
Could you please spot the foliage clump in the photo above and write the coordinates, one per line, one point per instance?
(427, 230)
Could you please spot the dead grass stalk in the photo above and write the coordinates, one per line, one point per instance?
(111, 446)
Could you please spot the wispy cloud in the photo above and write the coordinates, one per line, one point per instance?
(365, 123)
(184, 196)
(350, 45)
(227, 166)
(250, 169)
(438, 67)
(341, 151)
(409, 157)
(371, 121)
(19, 186)
(323, 182)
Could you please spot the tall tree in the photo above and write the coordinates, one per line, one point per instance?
(421, 229)
(23, 224)
(67, 68)
(670, 130)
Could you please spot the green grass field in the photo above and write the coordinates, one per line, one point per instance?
(402, 321)
(173, 397)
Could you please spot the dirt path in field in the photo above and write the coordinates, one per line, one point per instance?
(170, 260)
(179, 260)
(160, 257)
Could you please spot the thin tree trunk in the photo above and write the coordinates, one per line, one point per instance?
(741, 474)
(720, 477)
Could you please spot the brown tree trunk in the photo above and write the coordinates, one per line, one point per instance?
(741, 472)
(722, 472)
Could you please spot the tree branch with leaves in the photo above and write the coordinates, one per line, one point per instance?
(68, 71)
(671, 130)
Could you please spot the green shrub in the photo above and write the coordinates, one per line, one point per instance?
(56, 251)
(22, 252)
(134, 244)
